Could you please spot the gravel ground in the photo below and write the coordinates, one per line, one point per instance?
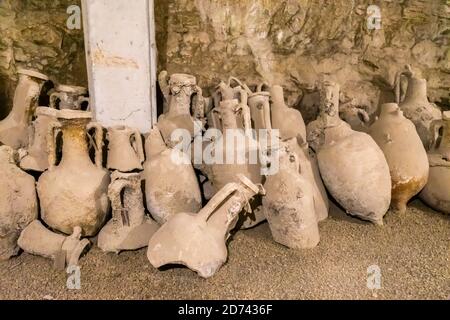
(412, 251)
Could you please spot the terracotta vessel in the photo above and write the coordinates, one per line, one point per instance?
(259, 104)
(170, 182)
(69, 97)
(185, 107)
(198, 241)
(74, 192)
(288, 121)
(14, 128)
(328, 114)
(289, 204)
(436, 193)
(234, 152)
(407, 159)
(355, 172)
(125, 149)
(64, 251)
(130, 228)
(416, 106)
(18, 202)
(35, 157)
(310, 171)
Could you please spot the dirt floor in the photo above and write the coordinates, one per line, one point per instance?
(412, 251)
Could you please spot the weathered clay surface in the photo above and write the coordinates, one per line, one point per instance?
(437, 190)
(355, 172)
(198, 241)
(125, 149)
(18, 202)
(170, 182)
(405, 154)
(130, 228)
(14, 128)
(69, 97)
(289, 204)
(64, 251)
(309, 169)
(35, 157)
(74, 192)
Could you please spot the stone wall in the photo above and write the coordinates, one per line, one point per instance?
(290, 42)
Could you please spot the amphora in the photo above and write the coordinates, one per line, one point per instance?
(198, 240)
(18, 202)
(14, 128)
(125, 149)
(437, 190)
(69, 97)
(73, 193)
(405, 154)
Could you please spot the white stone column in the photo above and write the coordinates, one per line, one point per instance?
(121, 61)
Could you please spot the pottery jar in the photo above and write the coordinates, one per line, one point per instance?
(289, 204)
(171, 185)
(18, 202)
(407, 159)
(73, 193)
(416, 106)
(288, 121)
(437, 190)
(69, 97)
(129, 228)
(125, 149)
(35, 157)
(355, 172)
(14, 128)
(198, 240)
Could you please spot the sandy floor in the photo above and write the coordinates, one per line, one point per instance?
(413, 252)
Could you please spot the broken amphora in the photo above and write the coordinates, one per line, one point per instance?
(130, 228)
(436, 193)
(328, 113)
(355, 172)
(416, 106)
(198, 240)
(125, 149)
(73, 193)
(63, 250)
(14, 128)
(185, 107)
(35, 157)
(407, 159)
(171, 185)
(18, 202)
(310, 171)
(289, 203)
(69, 97)
(288, 121)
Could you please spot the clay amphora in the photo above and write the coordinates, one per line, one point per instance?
(14, 128)
(288, 121)
(125, 149)
(259, 104)
(289, 204)
(171, 185)
(35, 157)
(130, 228)
(328, 114)
(18, 202)
(198, 241)
(310, 171)
(436, 193)
(74, 192)
(416, 106)
(407, 159)
(355, 172)
(64, 251)
(69, 97)
(185, 107)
